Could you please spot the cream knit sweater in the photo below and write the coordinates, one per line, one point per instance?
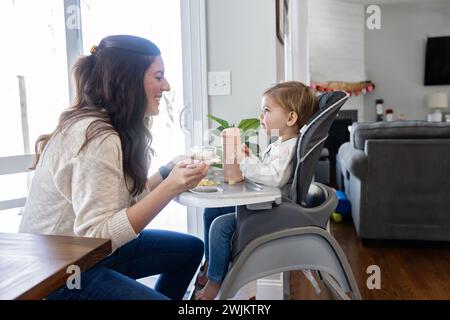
(83, 194)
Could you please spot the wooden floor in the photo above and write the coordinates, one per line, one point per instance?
(408, 270)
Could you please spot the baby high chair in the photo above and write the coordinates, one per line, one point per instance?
(293, 235)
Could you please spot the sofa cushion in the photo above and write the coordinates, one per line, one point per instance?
(362, 131)
(353, 160)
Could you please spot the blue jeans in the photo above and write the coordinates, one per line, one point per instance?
(174, 256)
(221, 231)
(209, 215)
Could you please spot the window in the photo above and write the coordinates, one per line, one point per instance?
(33, 82)
(35, 60)
(160, 22)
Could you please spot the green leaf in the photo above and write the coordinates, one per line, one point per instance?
(222, 122)
(248, 124)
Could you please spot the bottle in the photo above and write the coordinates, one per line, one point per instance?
(231, 148)
(389, 115)
(379, 109)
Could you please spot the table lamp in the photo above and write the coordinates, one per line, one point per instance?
(437, 101)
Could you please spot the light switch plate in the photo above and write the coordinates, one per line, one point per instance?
(219, 83)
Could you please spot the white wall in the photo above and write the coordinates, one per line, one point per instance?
(395, 56)
(241, 39)
(336, 38)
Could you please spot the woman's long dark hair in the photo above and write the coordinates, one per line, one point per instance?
(110, 86)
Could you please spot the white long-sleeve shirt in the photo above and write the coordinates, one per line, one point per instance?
(275, 166)
(80, 194)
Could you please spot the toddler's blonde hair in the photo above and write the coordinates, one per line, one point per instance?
(295, 96)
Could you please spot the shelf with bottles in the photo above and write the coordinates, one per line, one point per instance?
(352, 88)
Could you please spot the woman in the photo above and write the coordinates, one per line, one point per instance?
(91, 177)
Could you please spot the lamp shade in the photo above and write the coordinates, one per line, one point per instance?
(438, 100)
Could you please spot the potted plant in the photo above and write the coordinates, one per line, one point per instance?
(249, 128)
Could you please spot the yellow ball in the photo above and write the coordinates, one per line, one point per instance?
(337, 217)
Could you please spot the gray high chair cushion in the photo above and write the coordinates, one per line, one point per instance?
(310, 143)
(254, 223)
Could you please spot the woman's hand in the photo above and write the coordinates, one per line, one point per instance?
(246, 150)
(176, 160)
(186, 175)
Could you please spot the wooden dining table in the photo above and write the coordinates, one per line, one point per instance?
(33, 266)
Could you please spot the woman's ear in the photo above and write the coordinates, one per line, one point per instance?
(292, 118)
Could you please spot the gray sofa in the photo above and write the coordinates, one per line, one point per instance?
(397, 178)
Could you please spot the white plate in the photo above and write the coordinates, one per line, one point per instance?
(206, 189)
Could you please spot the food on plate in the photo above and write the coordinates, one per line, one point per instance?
(208, 183)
